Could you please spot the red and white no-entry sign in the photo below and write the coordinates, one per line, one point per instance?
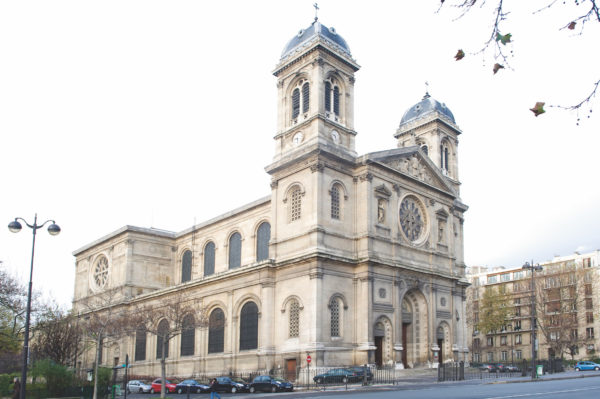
(308, 358)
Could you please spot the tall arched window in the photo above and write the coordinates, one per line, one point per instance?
(294, 321)
(216, 331)
(249, 326)
(332, 98)
(444, 158)
(140, 344)
(161, 336)
(188, 335)
(295, 103)
(334, 313)
(335, 202)
(296, 204)
(235, 251)
(263, 235)
(209, 258)
(186, 266)
(300, 98)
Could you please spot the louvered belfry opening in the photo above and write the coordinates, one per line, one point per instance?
(305, 97)
(336, 100)
(295, 103)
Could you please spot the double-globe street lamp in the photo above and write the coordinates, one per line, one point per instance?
(15, 227)
(532, 268)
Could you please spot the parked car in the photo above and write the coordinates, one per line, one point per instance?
(359, 370)
(512, 369)
(192, 386)
(491, 368)
(226, 384)
(267, 383)
(580, 366)
(137, 386)
(169, 386)
(336, 375)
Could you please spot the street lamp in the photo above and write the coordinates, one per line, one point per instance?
(15, 227)
(532, 268)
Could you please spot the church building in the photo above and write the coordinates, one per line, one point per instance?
(350, 258)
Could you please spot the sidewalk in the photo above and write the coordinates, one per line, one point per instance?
(566, 375)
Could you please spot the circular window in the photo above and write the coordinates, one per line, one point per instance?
(413, 221)
(100, 272)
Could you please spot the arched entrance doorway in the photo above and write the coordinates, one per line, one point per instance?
(443, 342)
(382, 335)
(414, 329)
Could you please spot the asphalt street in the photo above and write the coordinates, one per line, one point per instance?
(569, 385)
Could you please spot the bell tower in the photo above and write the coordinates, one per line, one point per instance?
(315, 101)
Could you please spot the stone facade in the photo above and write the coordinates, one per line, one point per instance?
(364, 253)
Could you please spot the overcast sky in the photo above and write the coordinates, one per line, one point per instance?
(162, 114)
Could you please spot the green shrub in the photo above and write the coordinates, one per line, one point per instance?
(6, 383)
(58, 378)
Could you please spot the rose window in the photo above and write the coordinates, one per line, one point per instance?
(412, 219)
(101, 272)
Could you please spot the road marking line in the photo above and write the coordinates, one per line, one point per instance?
(542, 393)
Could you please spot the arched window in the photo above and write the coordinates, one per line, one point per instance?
(140, 344)
(334, 313)
(249, 326)
(263, 235)
(235, 251)
(188, 335)
(335, 202)
(300, 98)
(216, 331)
(332, 98)
(296, 204)
(444, 158)
(294, 321)
(162, 336)
(209, 258)
(186, 266)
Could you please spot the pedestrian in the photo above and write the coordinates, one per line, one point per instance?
(213, 389)
(16, 389)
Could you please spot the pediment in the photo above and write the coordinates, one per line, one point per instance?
(412, 162)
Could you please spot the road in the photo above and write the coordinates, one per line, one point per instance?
(575, 388)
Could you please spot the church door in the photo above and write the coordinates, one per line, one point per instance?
(379, 351)
(290, 369)
(441, 352)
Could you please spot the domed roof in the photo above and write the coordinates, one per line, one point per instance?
(316, 30)
(426, 106)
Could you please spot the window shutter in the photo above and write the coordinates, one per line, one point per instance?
(295, 103)
(336, 100)
(327, 96)
(305, 97)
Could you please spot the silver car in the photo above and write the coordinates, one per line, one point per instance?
(137, 386)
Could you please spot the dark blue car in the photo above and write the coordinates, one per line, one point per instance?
(192, 386)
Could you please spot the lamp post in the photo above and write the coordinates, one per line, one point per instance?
(532, 268)
(15, 227)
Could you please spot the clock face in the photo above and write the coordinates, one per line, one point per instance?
(298, 137)
(412, 219)
(335, 136)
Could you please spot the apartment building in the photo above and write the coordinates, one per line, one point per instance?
(566, 310)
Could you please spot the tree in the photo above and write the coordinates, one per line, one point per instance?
(560, 299)
(57, 376)
(57, 335)
(104, 321)
(499, 41)
(177, 315)
(495, 311)
(13, 306)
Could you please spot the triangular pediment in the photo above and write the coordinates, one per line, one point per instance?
(412, 162)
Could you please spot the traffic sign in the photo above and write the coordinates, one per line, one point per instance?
(308, 358)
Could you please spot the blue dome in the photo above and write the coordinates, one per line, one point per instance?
(316, 30)
(426, 106)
